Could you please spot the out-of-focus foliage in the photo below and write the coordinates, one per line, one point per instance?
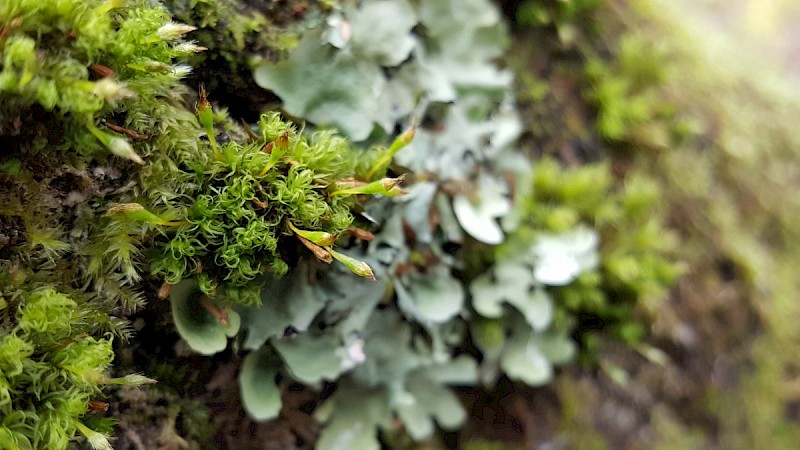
(628, 95)
(562, 14)
(719, 117)
(636, 263)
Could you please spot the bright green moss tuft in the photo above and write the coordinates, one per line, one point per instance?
(82, 60)
(50, 369)
(636, 265)
(248, 201)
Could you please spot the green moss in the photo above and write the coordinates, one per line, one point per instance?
(243, 201)
(79, 62)
(51, 367)
(226, 211)
(563, 14)
(636, 251)
(628, 95)
(80, 82)
(235, 31)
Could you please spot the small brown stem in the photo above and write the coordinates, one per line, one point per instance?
(321, 254)
(221, 314)
(361, 233)
(125, 131)
(12, 25)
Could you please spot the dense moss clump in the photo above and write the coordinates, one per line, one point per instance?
(52, 371)
(80, 61)
(246, 196)
(80, 81)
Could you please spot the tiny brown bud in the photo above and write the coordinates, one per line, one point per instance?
(96, 405)
(163, 291)
(283, 141)
(102, 71)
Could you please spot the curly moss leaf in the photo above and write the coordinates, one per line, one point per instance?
(203, 332)
(14, 440)
(50, 368)
(435, 297)
(312, 359)
(326, 87)
(260, 394)
(381, 30)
